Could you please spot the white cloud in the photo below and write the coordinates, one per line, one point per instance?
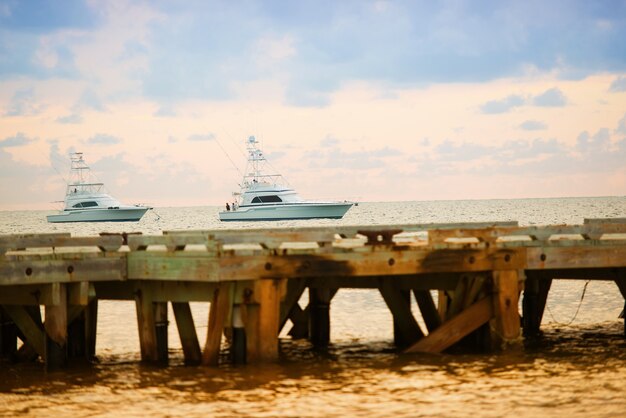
(553, 97)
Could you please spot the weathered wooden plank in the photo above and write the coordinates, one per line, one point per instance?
(506, 298)
(591, 230)
(173, 242)
(33, 332)
(13, 242)
(181, 265)
(576, 257)
(17, 241)
(371, 261)
(604, 221)
(428, 309)
(187, 333)
(398, 302)
(82, 269)
(454, 329)
(218, 314)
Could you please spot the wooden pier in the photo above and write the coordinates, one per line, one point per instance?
(254, 278)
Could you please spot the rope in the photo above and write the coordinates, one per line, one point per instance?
(582, 296)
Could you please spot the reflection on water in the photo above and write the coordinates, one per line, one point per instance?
(577, 370)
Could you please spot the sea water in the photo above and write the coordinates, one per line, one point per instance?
(578, 371)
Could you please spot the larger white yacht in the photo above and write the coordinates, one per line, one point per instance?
(265, 197)
(87, 201)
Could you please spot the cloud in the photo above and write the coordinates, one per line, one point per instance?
(329, 141)
(502, 106)
(165, 111)
(553, 97)
(15, 141)
(70, 119)
(618, 85)
(601, 141)
(24, 103)
(89, 99)
(464, 151)
(333, 157)
(533, 125)
(621, 126)
(103, 139)
(201, 137)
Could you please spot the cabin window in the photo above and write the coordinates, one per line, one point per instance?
(267, 199)
(270, 199)
(85, 205)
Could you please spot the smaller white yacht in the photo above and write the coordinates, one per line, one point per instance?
(265, 197)
(87, 201)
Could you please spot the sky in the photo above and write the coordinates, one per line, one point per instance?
(358, 100)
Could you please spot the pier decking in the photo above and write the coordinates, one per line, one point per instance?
(253, 280)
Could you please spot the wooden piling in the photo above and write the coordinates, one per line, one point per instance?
(319, 316)
(8, 336)
(218, 313)
(506, 297)
(187, 333)
(406, 329)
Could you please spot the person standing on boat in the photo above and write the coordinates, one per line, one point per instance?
(227, 206)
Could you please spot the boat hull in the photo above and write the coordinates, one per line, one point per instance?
(99, 215)
(287, 212)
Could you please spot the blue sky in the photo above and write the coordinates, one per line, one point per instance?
(445, 93)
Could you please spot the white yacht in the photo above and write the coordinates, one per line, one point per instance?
(265, 197)
(87, 201)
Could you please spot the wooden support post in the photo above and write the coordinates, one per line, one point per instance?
(161, 324)
(187, 333)
(443, 301)
(218, 314)
(55, 324)
(91, 328)
(8, 336)
(319, 316)
(455, 328)
(30, 327)
(406, 328)
(621, 284)
(76, 338)
(428, 309)
(146, 325)
(531, 321)
(269, 315)
(542, 297)
(262, 317)
(28, 352)
(506, 313)
(295, 288)
(300, 319)
(238, 348)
